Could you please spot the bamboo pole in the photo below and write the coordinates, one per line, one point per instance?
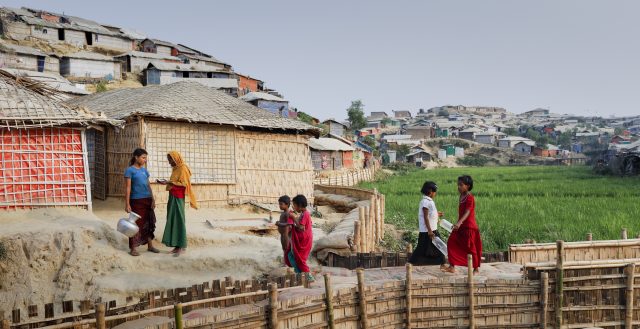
(100, 316)
(363, 229)
(372, 220)
(6, 324)
(356, 236)
(362, 300)
(177, 310)
(589, 236)
(544, 299)
(576, 245)
(273, 306)
(559, 282)
(367, 211)
(383, 205)
(329, 300)
(472, 317)
(407, 288)
(378, 218)
(623, 234)
(628, 318)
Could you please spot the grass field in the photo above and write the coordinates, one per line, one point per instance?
(517, 203)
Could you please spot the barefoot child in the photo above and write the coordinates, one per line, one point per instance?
(426, 252)
(301, 237)
(284, 202)
(465, 238)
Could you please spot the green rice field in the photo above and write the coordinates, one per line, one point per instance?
(517, 203)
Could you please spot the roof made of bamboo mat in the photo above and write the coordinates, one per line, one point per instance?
(187, 101)
(26, 103)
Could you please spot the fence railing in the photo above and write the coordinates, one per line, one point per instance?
(346, 177)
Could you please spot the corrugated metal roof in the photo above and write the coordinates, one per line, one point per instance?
(254, 95)
(90, 56)
(396, 137)
(164, 66)
(142, 54)
(328, 144)
(188, 101)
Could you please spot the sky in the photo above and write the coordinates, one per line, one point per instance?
(579, 57)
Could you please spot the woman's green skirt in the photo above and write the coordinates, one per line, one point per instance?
(175, 232)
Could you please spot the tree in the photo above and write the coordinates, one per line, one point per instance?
(355, 114)
(403, 151)
(532, 134)
(564, 140)
(511, 131)
(305, 118)
(618, 131)
(369, 141)
(386, 122)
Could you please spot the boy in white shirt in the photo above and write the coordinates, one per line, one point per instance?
(426, 252)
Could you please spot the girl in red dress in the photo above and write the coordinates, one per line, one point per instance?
(465, 238)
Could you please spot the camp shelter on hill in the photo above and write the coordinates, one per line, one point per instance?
(236, 151)
(330, 154)
(43, 147)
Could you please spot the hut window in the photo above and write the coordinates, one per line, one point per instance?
(208, 150)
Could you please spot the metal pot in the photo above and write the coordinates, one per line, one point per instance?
(128, 227)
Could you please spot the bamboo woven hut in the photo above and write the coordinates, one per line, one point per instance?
(237, 152)
(43, 147)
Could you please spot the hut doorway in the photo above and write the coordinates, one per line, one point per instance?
(61, 34)
(96, 149)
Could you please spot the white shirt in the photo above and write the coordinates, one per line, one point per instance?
(428, 203)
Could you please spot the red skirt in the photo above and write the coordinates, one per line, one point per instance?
(146, 222)
(463, 242)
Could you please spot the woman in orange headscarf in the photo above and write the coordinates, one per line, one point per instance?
(179, 186)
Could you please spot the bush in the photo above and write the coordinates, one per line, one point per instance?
(101, 87)
(402, 167)
(410, 237)
(473, 161)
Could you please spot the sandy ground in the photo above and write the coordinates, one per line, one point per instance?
(66, 254)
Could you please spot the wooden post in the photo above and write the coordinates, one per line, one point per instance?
(177, 310)
(623, 234)
(409, 248)
(362, 300)
(100, 316)
(356, 236)
(472, 303)
(367, 234)
(6, 324)
(329, 300)
(273, 306)
(407, 287)
(589, 236)
(559, 282)
(628, 313)
(379, 218)
(544, 299)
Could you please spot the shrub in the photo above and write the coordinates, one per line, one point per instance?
(475, 160)
(101, 87)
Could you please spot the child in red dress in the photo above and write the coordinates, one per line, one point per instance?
(465, 238)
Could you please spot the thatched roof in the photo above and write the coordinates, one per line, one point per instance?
(191, 102)
(26, 103)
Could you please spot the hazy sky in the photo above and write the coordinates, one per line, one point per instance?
(580, 57)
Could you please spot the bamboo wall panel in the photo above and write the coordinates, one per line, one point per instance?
(270, 165)
(575, 251)
(208, 150)
(120, 145)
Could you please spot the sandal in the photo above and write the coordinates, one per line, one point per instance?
(178, 252)
(134, 253)
(154, 250)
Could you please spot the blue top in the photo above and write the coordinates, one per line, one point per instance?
(139, 182)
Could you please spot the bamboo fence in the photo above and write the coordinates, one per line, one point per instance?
(391, 259)
(574, 251)
(347, 177)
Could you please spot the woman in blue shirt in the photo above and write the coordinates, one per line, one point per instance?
(139, 199)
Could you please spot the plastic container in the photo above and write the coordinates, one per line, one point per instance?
(446, 225)
(441, 245)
